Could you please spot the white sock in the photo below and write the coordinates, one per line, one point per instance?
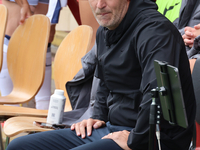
(43, 96)
(6, 84)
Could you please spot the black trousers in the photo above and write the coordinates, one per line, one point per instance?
(65, 139)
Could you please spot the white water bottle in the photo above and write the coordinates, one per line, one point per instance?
(56, 107)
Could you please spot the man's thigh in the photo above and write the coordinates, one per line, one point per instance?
(105, 144)
(57, 139)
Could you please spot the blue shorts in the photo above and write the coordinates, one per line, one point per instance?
(35, 2)
(44, 1)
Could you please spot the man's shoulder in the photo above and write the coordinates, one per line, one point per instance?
(162, 21)
(153, 19)
(156, 25)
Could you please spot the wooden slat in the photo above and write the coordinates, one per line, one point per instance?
(21, 111)
(87, 18)
(3, 22)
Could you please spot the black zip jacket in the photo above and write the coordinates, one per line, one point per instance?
(126, 72)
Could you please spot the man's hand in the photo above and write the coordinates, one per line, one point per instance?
(120, 138)
(25, 10)
(191, 34)
(25, 13)
(88, 124)
(197, 26)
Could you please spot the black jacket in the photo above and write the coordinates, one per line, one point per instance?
(126, 72)
(82, 90)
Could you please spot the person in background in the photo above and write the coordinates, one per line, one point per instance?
(188, 17)
(169, 8)
(84, 16)
(192, 41)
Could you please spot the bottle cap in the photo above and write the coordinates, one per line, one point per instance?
(59, 92)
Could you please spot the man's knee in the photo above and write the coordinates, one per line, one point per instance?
(17, 144)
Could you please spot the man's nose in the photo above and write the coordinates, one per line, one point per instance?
(101, 4)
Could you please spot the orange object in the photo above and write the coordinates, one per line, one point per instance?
(2, 124)
(3, 23)
(87, 18)
(197, 136)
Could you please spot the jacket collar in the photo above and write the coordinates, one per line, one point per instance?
(135, 7)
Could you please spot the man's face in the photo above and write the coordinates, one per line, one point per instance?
(109, 13)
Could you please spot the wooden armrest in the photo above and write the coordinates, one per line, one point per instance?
(21, 111)
(16, 125)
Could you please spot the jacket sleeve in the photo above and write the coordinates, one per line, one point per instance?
(100, 106)
(176, 22)
(155, 42)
